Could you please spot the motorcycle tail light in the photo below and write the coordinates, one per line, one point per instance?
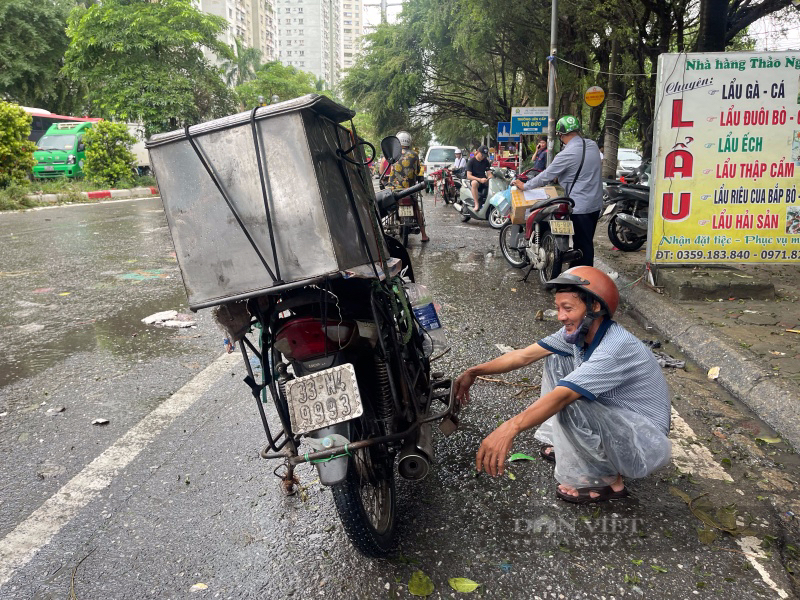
(306, 337)
(405, 201)
(562, 211)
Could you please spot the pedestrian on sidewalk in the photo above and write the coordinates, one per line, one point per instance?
(604, 412)
(578, 169)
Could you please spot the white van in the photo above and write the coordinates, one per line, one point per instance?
(437, 157)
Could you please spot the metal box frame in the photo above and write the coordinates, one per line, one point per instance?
(266, 199)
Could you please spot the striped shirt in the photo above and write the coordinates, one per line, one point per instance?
(617, 370)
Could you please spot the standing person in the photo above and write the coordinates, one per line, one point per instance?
(540, 157)
(604, 408)
(578, 169)
(404, 175)
(479, 172)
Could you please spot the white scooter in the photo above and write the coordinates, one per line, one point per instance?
(500, 180)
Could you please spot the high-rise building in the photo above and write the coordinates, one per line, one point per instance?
(352, 30)
(308, 36)
(252, 21)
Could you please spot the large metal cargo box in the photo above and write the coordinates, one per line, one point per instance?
(215, 199)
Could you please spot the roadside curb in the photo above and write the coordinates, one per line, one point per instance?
(773, 400)
(139, 192)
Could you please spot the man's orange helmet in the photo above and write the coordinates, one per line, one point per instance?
(596, 283)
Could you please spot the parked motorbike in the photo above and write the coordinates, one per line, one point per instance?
(628, 209)
(444, 186)
(401, 221)
(545, 240)
(348, 371)
(501, 179)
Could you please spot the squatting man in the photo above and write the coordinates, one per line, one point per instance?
(604, 412)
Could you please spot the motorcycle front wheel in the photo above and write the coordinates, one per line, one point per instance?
(622, 238)
(496, 220)
(516, 258)
(552, 258)
(366, 503)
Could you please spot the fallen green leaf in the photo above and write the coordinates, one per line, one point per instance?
(637, 561)
(511, 476)
(726, 462)
(658, 569)
(701, 584)
(667, 533)
(768, 440)
(632, 579)
(706, 535)
(519, 456)
(463, 585)
(680, 494)
(420, 584)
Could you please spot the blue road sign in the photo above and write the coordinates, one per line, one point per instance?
(528, 120)
(504, 132)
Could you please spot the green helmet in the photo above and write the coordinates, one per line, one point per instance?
(567, 124)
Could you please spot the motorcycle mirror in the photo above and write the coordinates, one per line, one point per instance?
(390, 146)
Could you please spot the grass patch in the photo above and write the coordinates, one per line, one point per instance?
(15, 197)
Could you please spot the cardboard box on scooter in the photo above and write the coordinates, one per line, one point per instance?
(522, 201)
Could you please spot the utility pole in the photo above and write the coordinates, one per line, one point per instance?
(385, 4)
(551, 84)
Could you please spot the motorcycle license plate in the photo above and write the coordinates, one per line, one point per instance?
(48, 168)
(323, 399)
(405, 211)
(562, 227)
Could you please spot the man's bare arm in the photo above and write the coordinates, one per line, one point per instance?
(502, 364)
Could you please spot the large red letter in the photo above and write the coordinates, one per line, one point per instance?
(668, 211)
(684, 168)
(677, 115)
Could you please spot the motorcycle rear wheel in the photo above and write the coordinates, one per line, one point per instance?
(516, 258)
(366, 503)
(553, 260)
(622, 239)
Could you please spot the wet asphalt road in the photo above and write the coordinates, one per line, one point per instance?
(197, 505)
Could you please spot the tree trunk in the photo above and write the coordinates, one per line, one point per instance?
(616, 96)
(713, 25)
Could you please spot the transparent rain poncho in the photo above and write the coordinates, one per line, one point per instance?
(594, 442)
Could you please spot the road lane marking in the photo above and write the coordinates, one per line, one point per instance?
(696, 459)
(35, 532)
(690, 457)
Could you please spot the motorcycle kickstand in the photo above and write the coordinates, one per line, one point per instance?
(525, 279)
(288, 480)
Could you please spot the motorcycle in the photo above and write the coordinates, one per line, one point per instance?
(401, 220)
(444, 186)
(489, 211)
(348, 371)
(545, 240)
(628, 210)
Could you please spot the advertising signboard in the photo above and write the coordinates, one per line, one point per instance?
(726, 158)
(528, 120)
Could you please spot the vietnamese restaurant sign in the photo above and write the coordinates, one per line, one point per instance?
(726, 159)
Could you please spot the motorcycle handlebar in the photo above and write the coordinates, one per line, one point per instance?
(413, 189)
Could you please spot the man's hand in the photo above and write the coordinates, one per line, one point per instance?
(461, 387)
(520, 184)
(494, 449)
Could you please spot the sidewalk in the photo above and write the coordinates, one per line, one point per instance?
(758, 360)
(139, 192)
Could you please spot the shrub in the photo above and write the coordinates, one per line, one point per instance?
(16, 152)
(108, 153)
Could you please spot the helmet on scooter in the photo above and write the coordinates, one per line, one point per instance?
(596, 284)
(405, 139)
(567, 124)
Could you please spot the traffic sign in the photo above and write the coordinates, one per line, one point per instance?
(504, 132)
(527, 120)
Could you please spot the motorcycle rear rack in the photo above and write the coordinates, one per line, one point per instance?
(296, 459)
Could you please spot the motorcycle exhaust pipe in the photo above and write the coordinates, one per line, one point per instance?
(415, 458)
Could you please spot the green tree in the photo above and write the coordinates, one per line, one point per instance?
(275, 79)
(16, 152)
(243, 66)
(142, 60)
(33, 40)
(108, 153)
